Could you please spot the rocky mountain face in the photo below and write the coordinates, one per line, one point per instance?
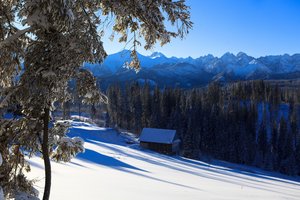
(157, 69)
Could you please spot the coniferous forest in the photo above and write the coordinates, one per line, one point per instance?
(254, 123)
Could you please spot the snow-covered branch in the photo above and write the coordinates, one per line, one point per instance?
(15, 36)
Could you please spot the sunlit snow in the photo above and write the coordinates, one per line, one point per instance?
(113, 169)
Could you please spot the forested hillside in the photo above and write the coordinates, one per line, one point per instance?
(254, 123)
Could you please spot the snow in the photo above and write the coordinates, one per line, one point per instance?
(164, 136)
(24, 196)
(71, 142)
(110, 169)
(81, 118)
(1, 194)
(155, 55)
(89, 95)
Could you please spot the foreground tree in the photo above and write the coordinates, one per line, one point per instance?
(38, 61)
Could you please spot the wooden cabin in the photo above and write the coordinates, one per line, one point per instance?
(161, 140)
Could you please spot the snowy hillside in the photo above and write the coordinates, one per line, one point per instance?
(112, 168)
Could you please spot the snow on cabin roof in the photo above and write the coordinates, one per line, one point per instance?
(164, 136)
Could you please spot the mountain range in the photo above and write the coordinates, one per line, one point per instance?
(157, 69)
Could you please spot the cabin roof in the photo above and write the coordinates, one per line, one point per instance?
(156, 135)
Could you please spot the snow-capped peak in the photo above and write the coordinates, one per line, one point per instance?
(155, 55)
(253, 62)
(241, 54)
(228, 57)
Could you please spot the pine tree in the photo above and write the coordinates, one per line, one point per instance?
(137, 108)
(112, 105)
(146, 104)
(294, 126)
(286, 150)
(58, 36)
(274, 145)
(165, 106)
(155, 119)
(93, 111)
(297, 158)
(125, 109)
(262, 145)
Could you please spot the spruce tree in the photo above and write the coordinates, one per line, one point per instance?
(155, 119)
(146, 105)
(262, 145)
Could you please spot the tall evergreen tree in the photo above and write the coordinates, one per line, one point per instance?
(146, 105)
(156, 112)
(57, 37)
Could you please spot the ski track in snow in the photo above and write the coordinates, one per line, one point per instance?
(111, 170)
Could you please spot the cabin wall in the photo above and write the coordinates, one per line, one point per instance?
(159, 147)
(176, 146)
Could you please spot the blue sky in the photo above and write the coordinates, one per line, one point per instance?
(256, 27)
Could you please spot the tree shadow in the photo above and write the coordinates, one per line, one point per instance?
(35, 164)
(163, 181)
(216, 172)
(219, 171)
(107, 161)
(100, 159)
(94, 135)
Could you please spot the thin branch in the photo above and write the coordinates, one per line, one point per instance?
(87, 15)
(15, 36)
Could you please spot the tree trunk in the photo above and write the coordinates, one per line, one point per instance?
(64, 110)
(45, 151)
(79, 109)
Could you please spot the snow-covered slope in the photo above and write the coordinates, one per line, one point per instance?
(112, 169)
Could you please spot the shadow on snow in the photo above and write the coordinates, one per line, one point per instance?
(219, 171)
(100, 159)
